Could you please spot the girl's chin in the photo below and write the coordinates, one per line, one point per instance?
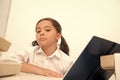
(43, 45)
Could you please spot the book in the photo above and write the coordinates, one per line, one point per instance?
(9, 68)
(4, 44)
(107, 62)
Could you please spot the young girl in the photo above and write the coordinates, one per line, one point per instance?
(45, 57)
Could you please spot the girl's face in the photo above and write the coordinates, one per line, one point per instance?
(46, 34)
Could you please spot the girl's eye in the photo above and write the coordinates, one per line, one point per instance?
(38, 31)
(48, 30)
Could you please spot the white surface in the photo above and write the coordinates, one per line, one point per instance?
(112, 77)
(26, 76)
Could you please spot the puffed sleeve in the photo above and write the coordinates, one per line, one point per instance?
(66, 63)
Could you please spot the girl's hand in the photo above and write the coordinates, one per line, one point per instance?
(50, 73)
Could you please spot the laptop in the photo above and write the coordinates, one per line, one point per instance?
(9, 68)
(87, 66)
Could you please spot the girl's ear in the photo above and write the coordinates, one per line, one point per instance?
(58, 36)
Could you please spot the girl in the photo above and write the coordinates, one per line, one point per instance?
(45, 57)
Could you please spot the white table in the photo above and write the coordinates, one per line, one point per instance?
(27, 76)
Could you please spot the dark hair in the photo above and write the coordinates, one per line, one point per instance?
(63, 45)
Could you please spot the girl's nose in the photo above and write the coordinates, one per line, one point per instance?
(42, 32)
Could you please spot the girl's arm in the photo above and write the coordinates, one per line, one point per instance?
(29, 68)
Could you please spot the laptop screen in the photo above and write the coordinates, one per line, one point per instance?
(87, 66)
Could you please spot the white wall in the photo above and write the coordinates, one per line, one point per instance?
(80, 20)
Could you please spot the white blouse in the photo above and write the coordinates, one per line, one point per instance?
(58, 61)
